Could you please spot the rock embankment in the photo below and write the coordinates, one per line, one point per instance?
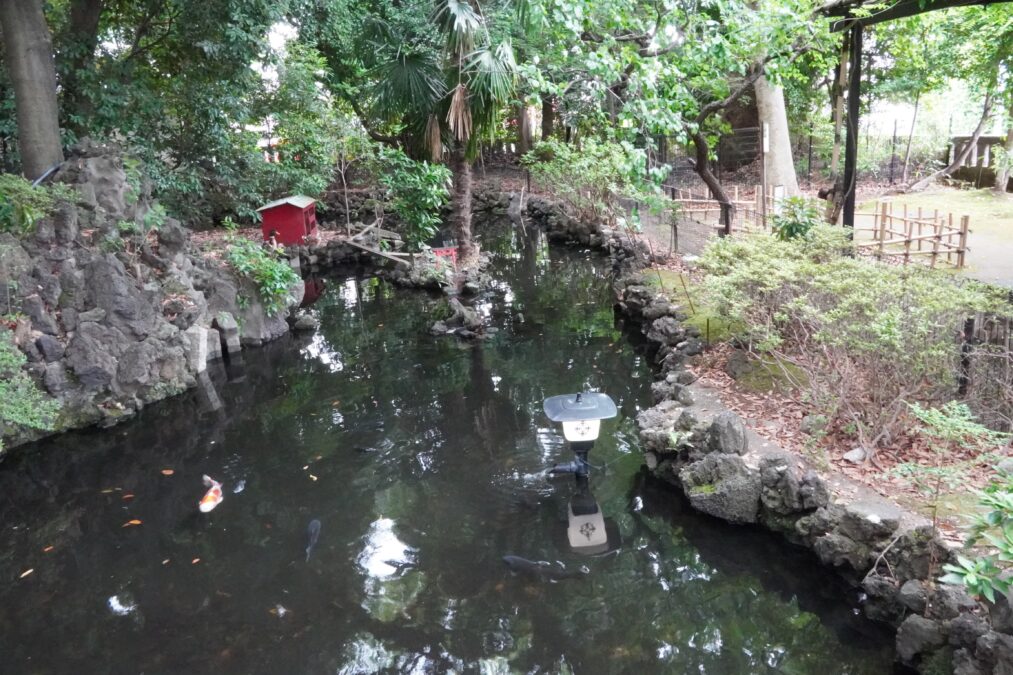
(113, 307)
(727, 471)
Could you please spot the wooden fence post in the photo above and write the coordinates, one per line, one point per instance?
(965, 223)
(964, 377)
(908, 233)
(938, 231)
(919, 228)
(882, 229)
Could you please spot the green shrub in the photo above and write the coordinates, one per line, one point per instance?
(985, 574)
(22, 206)
(866, 337)
(593, 179)
(796, 218)
(22, 403)
(416, 192)
(272, 274)
(950, 428)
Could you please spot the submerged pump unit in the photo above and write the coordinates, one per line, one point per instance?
(581, 415)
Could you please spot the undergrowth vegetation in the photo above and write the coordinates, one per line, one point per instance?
(593, 178)
(987, 573)
(270, 273)
(416, 193)
(22, 205)
(22, 403)
(862, 339)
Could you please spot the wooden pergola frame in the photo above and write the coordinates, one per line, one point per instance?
(843, 14)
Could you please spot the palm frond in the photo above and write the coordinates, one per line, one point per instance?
(407, 84)
(459, 114)
(492, 74)
(460, 23)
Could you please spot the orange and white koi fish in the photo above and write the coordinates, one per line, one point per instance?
(213, 497)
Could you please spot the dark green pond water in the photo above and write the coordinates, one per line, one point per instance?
(421, 458)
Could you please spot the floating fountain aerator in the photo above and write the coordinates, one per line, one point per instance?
(581, 416)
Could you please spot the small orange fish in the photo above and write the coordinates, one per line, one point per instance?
(213, 497)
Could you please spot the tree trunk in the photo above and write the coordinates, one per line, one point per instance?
(28, 53)
(838, 104)
(779, 163)
(523, 130)
(78, 42)
(907, 150)
(460, 218)
(959, 158)
(548, 117)
(706, 175)
(1002, 175)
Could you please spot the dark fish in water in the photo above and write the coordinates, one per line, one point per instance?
(313, 531)
(542, 570)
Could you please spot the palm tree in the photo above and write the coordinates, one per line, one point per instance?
(447, 96)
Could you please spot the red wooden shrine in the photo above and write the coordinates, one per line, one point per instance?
(290, 220)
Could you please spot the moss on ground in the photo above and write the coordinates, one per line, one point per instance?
(690, 296)
(768, 373)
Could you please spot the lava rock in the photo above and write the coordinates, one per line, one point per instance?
(738, 364)
(913, 595)
(51, 348)
(728, 434)
(837, 549)
(657, 424)
(665, 330)
(658, 308)
(55, 380)
(995, 649)
(918, 635)
(869, 520)
(685, 377)
(1001, 613)
(93, 353)
(965, 630)
(784, 492)
(964, 663)
(881, 599)
(721, 485)
(692, 347)
(949, 601)
(34, 307)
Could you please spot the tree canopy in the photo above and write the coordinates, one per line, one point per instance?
(200, 87)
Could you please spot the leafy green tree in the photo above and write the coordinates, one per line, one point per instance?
(305, 121)
(434, 83)
(641, 69)
(416, 191)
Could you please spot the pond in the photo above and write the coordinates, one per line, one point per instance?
(422, 460)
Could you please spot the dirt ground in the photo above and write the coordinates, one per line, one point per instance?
(990, 241)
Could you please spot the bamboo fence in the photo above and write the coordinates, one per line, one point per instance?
(748, 208)
(906, 234)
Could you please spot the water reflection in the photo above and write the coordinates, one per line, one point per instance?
(322, 351)
(423, 460)
(383, 554)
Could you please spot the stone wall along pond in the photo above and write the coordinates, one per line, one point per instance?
(728, 472)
